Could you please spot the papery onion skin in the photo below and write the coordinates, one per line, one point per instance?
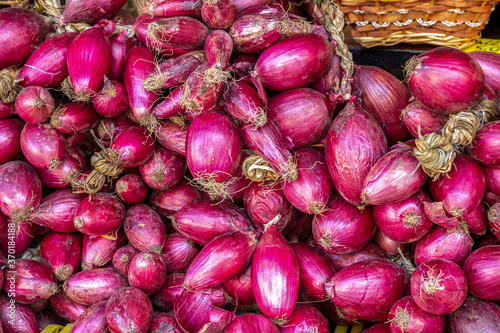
(251, 323)
(97, 251)
(481, 270)
(131, 189)
(490, 64)
(61, 253)
(171, 106)
(353, 131)
(474, 314)
(369, 252)
(178, 253)
(483, 147)
(42, 145)
(10, 141)
(415, 115)
(93, 320)
(25, 318)
(144, 228)
(254, 33)
(305, 318)
(133, 146)
(129, 309)
(34, 104)
(439, 286)
(122, 258)
(219, 14)
(406, 316)
(240, 287)
(82, 11)
(170, 201)
(147, 272)
(173, 136)
(99, 214)
(74, 118)
(163, 170)
(243, 103)
(66, 308)
(111, 101)
(59, 211)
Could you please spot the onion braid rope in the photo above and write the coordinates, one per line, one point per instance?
(436, 152)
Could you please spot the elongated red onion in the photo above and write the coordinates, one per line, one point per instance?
(474, 314)
(481, 270)
(178, 253)
(384, 96)
(352, 132)
(165, 323)
(163, 170)
(172, 8)
(66, 308)
(492, 175)
(93, 285)
(395, 177)
(369, 252)
(120, 45)
(17, 318)
(73, 118)
(482, 148)
(58, 211)
(368, 289)
(415, 115)
(251, 323)
(274, 260)
(92, 320)
(34, 105)
(61, 253)
(305, 317)
(445, 80)
(147, 272)
(80, 11)
(97, 251)
(240, 287)
(407, 316)
(122, 258)
(15, 237)
(490, 64)
(218, 14)
(99, 214)
(131, 189)
(144, 228)
(439, 286)
(132, 147)
(42, 145)
(65, 172)
(330, 230)
(111, 101)
(10, 141)
(219, 44)
(171, 106)
(170, 201)
(129, 309)
(243, 103)
(202, 221)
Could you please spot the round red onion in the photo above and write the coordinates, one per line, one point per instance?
(97, 251)
(389, 247)
(163, 170)
(73, 118)
(251, 323)
(343, 228)
(122, 258)
(483, 147)
(407, 316)
(34, 105)
(305, 317)
(481, 270)
(144, 228)
(218, 14)
(165, 323)
(111, 101)
(368, 289)
(170, 201)
(58, 211)
(243, 103)
(10, 140)
(66, 308)
(274, 260)
(439, 286)
(352, 132)
(61, 253)
(240, 287)
(415, 115)
(131, 189)
(474, 315)
(92, 320)
(369, 252)
(490, 64)
(445, 80)
(132, 147)
(17, 318)
(147, 272)
(129, 309)
(178, 253)
(99, 214)
(42, 145)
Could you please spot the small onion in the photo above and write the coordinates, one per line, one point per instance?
(407, 316)
(242, 102)
(482, 148)
(42, 145)
(61, 253)
(111, 101)
(240, 287)
(416, 116)
(65, 172)
(99, 214)
(178, 253)
(129, 310)
(34, 105)
(122, 258)
(173, 136)
(66, 308)
(74, 118)
(481, 270)
(97, 251)
(147, 272)
(144, 228)
(132, 147)
(163, 170)
(218, 14)
(25, 318)
(170, 201)
(131, 189)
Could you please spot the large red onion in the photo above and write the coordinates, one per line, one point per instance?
(481, 270)
(147, 272)
(439, 286)
(407, 316)
(164, 323)
(10, 141)
(354, 143)
(163, 170)
(343, 228)
(66, 308)
(73, 118)
(144, 228)
(99, 214)
(483, 147)
(170, 201)
(415, 115)
(243, 103)
(240, 287)
(131, 189)
(42, 145)
(92, 320)
(251, 323)
(369, 252)
(17, 318)
(81, 11)
(34, 104)
(368, 289)
(94, 285)
(97, 251)
(274, 260)
(129, 310)
(122, 258)
(120, 45)
(306, 318)
(61, 253)
(445, 80)
(490, 64)
(178, 253)
(58, 211)
(474, 315)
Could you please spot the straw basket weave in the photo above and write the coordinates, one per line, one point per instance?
(438, 22)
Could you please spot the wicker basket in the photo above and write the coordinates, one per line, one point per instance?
(438, 22)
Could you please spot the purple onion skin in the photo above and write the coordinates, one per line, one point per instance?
(94, 285)
(490, 64)
(165, 298)
(11, 139)
(111, 101)
(22, 31)
(390, 248)
(415, 115)
(34, 104)
(330, 230)
(89, 11)
(173, 8)
(368, 288)
(474, 316)
(173, 136)
(243, 102)
(147, 272)
(122, 258)
(120, 45)
(175, 71)
(171, 106)
(131, 189)
(43, 146)
(446, 80)
(61, 253)
(441, 243)
(218, 15)
(384, 96)
(202, 221)
(274, 260)
(170, 201)
(492, 175)
(74, 118)
(163, 170)
(420, 321)
(20, 233)
(251, 323)
(353, 131)
(66, 308)
(395, 177)
(439, 286)
(254, 33)
(97, 251)
(59, 211)
(144, 228)
(483, 147)
(178, 253)
(481, 270)
(279, 65)
(305, 318)
(240, 287)
(369, 252)
(93, 320)
(24, 321)
(99, 214)
(165, 323)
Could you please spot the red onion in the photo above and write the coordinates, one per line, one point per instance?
(129, 309)
(481, 270)
(445, 80)
(305, 318)
(94, 285)
(22, 31)
(64, 173)
(384, 96)
(490, 64)
(73, 118)
(218, 14)
(251, 323)
(274, 260)
(218, 45)
(20, 190)
(99, 214)
(474, 315)
(314, 269)
(476, 221)
(61, 253)
(482, 148)
(80, 11)
(34, 105)
(404, 221)
(171, 106)
(352, 132)
(112, 126)
(369, 252)
(97, 251)
(210, 268)
(294, 61)
(165, 323)
(242, 4)
(240, 287)
(407, 316)
(132, 147)
(17, 318)
(439, 286)
(329, 83)
(395, 177)
(163, 170)
(165, 298)
(122, 258)
(343, 228)
(6, 110)
(415, 115)
(144, 228)
(492, 175)
(243, 64)
(92, 320)
(120, 45)
(170, 201)
(147, 272)
(389, 247)
(89, 59)
(243, 103)
(173, 8)
(178, 253)
(58, 211)
(111, 101)
(43, 146)
(202, 221)
(494, 219)
(131, 189)
(10, 140)
(368, 289)
(66, 308)
(28, 281)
